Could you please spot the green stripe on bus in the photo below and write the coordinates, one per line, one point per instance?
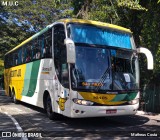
(27, 79)
(34, 77)
(119, 97)
(130, 96)
(125, 97)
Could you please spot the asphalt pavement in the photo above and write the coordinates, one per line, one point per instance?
(29, 118)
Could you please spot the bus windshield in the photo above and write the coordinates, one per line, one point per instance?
(101, 69)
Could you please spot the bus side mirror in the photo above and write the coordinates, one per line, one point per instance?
(71, 55)
(148, 55)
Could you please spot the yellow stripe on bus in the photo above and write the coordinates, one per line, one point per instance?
(16, 82)
(105, 99)
(97, 23)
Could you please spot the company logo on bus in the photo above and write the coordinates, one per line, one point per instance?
(46, 70)
(15, 73)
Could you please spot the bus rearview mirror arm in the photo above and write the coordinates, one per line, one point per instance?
(70, 47)
(148, 55)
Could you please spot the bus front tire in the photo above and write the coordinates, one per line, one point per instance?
(51, 115)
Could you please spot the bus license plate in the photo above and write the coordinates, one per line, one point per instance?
(111, 111)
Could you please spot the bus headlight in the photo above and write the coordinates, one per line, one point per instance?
(135, 101)
(82, 102)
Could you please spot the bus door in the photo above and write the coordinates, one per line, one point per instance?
(61, 67)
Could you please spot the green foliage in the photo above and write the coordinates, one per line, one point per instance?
(104, 11)
(38, 13)
(131, 4)
(30, 16)
(142, 17)
(18, 23)
(1, 67)
(150, 37)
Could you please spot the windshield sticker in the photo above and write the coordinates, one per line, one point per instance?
(127, 77)
(92, 84)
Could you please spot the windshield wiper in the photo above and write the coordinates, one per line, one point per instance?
(103, 78)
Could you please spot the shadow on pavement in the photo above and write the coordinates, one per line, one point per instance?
(82, 127)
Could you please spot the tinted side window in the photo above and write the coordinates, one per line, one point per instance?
(6, 61)
(40, 47)
(28, 52)
(47, 50)
(19, 53)
(60, 55)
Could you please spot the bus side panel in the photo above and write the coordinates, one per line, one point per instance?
(30, 79)
(29, 94)
(45, 80)
(14, 79)
(38, 81)
(6, 81)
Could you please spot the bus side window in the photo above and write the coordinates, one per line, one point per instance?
(10, 60)
(60, 59)
(47, 50)
(16, 58)
(40, 47)
(36, 49)
(19, 56)
(23, 55)
(6, 61)
(28, 53)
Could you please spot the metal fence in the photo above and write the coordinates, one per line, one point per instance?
(151, 98)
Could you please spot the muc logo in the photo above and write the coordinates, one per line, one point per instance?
(9, 3)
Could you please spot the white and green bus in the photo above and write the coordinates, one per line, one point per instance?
(77, 68)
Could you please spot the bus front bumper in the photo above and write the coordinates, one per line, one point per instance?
(81, 111)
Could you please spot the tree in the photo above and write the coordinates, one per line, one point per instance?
(30, 16)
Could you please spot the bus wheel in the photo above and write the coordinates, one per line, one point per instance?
(14, 97)
(50, 113)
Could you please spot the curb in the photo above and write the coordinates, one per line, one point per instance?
(146, 113)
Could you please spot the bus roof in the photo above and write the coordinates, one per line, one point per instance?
(96, 23)
(81, 21)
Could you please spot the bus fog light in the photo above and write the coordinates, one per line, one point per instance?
(135, 101)
(82, 102)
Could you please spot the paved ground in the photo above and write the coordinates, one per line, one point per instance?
(32, 119)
